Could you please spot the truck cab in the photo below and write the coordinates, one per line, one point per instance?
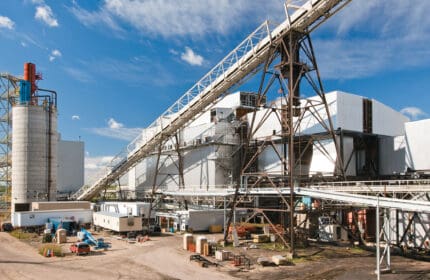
(80, 248)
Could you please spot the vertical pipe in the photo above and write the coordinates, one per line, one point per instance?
(397, 228)
(378, 269)
(225, 216)
(234, 217)
(388, 241)
(291, 94)
(49, 149)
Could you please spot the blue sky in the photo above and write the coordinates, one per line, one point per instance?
(118, 64)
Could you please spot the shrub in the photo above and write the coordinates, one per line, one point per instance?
(18, 233)
(58, 252)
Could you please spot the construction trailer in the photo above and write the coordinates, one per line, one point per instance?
(133, 208)
(117, 222)
(40, 218)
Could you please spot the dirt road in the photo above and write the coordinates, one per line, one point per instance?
(163, 258)
(19, 260)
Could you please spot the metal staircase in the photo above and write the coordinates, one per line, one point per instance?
(245, 59)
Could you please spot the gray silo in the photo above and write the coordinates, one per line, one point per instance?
(34, 147)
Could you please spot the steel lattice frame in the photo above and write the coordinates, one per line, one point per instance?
(296, 63)
(8, 91)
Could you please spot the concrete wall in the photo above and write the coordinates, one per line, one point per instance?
(30, 153)
(70, 170)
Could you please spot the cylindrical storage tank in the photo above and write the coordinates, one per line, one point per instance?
(33, 161)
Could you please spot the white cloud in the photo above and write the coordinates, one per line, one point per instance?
(174, 52)
(54, 54)
(6, 22)
(187, 17)
(114, 124)
(137, 71)
(413, 112)
(45, 14)
(102, 18)
(191, 57)
(95, 167)
(76, 117)
(78, 74)
(117, 130)
(397, 36)
(97, 162)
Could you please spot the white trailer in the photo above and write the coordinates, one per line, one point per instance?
(127, 208)
(118, 222)
(40, 218)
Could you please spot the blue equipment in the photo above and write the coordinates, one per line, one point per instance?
(90, 240)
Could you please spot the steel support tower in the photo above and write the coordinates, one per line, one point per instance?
(9, 86)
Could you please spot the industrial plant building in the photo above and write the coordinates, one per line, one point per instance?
(377, 143)
(324, 165)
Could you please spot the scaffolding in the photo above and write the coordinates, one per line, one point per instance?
(9, 86)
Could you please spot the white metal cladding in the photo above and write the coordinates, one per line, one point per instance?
(243, 60)
(417, 144)
(345, 110)
(39, 218)
(392, 155)
(30, 154)
(387, 121)
(70, 170)
(205, 168)
(373, 201)
(419, 225)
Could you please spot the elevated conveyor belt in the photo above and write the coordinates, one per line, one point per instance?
(242, 61)
(365, 200)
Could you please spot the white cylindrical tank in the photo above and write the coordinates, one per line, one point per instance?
(34, 154)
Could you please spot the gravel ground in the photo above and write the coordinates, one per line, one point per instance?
(163, 258)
